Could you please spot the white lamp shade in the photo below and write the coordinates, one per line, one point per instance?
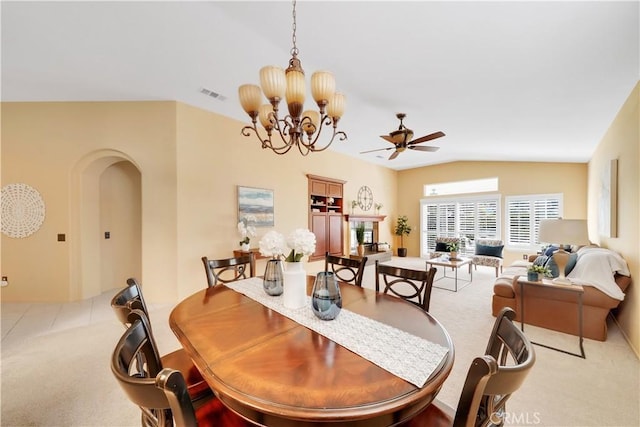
(564, 231)
(273, 82)
(323, 86)
(250, 98)
(296, 87)
(336, 106)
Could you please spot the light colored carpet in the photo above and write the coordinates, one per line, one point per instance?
(63, 378)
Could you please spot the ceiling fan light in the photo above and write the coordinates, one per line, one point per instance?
(310, 126)
(323, 86)
(266, 118)
(273, 82)
(336, 106)
(250, 98)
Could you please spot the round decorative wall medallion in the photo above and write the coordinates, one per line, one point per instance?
(22, 210)
(365, 198)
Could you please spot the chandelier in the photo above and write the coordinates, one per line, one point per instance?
(299, 128)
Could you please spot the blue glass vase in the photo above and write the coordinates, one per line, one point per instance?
(273, 278)
(326, 300)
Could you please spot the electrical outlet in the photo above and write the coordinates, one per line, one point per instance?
(5, 281)
(525, 256)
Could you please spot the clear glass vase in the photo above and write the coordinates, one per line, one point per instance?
(326, 300)
(273, 277)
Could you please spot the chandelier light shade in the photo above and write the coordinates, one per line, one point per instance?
(300, 128)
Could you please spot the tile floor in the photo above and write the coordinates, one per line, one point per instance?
(23, 320)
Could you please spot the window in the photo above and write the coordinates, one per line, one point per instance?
(523, 216)
(461, 187)
(468, 218)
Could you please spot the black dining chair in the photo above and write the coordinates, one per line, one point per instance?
(229, 269)
(491, 380)
(161, 393)
(130, 299)
(411, 285)
(346, 269)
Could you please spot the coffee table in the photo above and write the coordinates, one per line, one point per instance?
(454, 264)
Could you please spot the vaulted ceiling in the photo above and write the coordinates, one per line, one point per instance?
(510, 81)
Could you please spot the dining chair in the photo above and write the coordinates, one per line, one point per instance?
(491, 380)
(346, 269)
(161, 393)
(411, 285)
(130, 299)
(228, 269)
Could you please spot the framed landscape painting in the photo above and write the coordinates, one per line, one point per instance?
(255, 205)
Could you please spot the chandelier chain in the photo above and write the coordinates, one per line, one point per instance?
(300, 129)
(294, 49)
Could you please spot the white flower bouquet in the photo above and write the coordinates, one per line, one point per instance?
(272, 244)
(302, 242)
(246, 231)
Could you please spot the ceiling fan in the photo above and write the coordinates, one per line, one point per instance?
(402, 139)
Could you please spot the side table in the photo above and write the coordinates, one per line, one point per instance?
(255, 251)
(547, 283)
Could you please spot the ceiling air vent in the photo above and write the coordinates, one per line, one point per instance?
(213, 94)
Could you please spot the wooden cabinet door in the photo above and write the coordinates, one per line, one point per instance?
(318, 188)
(319, 228)
(334, 190)
(335, 234)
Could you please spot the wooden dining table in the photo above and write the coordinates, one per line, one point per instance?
(276, 372)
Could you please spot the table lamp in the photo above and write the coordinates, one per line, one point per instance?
(563, 232)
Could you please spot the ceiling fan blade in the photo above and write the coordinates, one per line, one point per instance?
(423, 148)
(427, 137)
(387, 138)
(377, 149)
(394, 155)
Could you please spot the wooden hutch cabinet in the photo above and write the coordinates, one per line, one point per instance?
(325, 215)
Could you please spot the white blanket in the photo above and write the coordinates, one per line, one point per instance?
(596, 267)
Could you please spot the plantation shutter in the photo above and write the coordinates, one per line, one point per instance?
(524, 214)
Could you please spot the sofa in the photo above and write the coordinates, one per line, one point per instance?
(604, 276)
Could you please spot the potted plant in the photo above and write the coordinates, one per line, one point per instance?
(453, 249)
(402, 228)
(360, 238)
(535, 272)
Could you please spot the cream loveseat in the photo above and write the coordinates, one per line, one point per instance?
(604, 276)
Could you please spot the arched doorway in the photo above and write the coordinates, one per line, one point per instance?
(106, 239)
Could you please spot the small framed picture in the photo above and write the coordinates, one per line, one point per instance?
(255, 205)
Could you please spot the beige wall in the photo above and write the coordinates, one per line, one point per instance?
(214, 158)
(514, 178)
(190, 162)
(621, 142)
(120, 216)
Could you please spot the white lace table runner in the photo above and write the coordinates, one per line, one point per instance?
(405, 355)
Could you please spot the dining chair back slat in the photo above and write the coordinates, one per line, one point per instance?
(346, 269)
(490, 382)
(228, 269)
(412, 285)
(129, 305)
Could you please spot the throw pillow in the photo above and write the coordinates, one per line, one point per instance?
(441, 247)
(553, 267)
(540, 260)
(495, 251)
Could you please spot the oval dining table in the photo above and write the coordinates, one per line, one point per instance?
(276, 372)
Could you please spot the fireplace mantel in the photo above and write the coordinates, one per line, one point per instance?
(359, 217)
